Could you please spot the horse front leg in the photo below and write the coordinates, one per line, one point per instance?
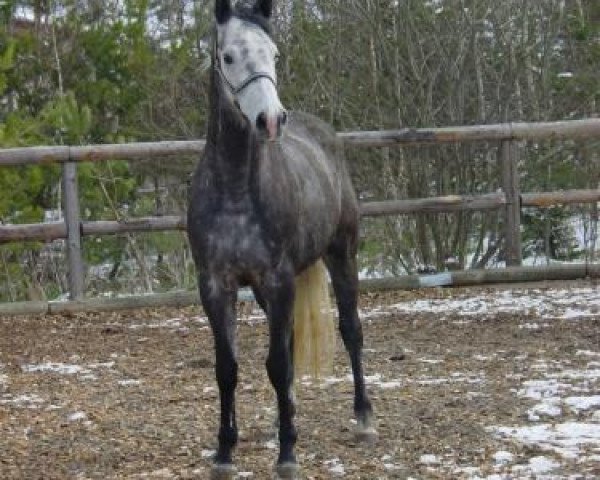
(219, 305)
(277, 294)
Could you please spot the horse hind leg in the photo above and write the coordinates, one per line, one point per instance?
(341, 263)
(219, 305)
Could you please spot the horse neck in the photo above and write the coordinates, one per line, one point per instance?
(232, 141)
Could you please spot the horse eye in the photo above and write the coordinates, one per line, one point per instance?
(228, 59)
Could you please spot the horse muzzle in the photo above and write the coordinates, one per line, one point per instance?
(271, 125)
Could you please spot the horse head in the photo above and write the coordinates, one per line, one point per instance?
(245, 58)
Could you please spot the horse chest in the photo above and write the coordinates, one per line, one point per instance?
(237, 243)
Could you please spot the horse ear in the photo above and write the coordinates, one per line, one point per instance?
(264, 7)
(222, 10)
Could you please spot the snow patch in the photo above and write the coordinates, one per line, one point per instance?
(539, 465)
(561, 391)
(271, 445)
(484, 358)
(503, 457)
(550, 304)
(84, 372)
(208, 453)
(456, 377)
(130, 382)
(587, 353)
(545, 409)
(174, 323)
(533, 326)
(569, 439)
(388, 463)
(55, 367)
(335, 466)
(3, 376)
(429, 459)
(431, 361)
(578, 404)
(77, 416)
(31, 401)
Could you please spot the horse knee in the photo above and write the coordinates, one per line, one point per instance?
(228, 436)
(227, 374)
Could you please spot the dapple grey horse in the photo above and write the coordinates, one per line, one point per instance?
(270, 198)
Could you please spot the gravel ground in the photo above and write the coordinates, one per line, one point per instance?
(462, 389)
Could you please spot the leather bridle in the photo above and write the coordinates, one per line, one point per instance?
(247, 81)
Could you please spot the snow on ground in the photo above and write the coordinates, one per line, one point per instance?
(546, 304)
(335, 466)
(561, 425)
(87, 372)
(557, 393)
(568, 439)
(563, 391)
(26, 400)
(3, 378)
(82, 372)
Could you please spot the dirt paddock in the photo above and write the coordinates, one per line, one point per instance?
(478, 383)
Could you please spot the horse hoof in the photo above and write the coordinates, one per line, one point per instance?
(286, 471)
(223, 471)
(367, 435)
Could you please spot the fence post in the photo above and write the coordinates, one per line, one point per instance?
(73, 223)
(512, 190)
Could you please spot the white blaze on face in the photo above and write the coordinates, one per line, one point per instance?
(245, 50)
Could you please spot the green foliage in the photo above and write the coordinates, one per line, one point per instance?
(550, 234)
(6, 63)
(87, 73)
(65, 121)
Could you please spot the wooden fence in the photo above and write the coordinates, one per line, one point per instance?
(511, 200)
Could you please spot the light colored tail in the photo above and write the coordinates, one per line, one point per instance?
(314, 329)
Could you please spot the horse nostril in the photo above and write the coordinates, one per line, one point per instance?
(261, 121)
(283, 118)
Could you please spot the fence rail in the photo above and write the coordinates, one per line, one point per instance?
(97, 153)
(184, 298)
(451, 203)
(511, 199)
(572, 129)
